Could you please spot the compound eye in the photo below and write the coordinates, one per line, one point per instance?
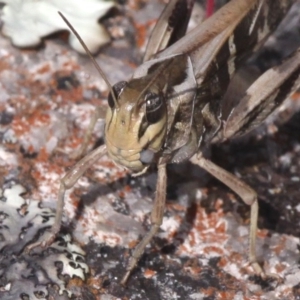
(154, 107)
(117, 89)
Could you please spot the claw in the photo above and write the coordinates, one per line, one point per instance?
(44, 243)
(125, 278)
(265, 276)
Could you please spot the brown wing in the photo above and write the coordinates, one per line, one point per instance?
(170, 27)
(263, 96)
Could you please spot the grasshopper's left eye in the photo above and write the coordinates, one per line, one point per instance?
(154, 107)
(117, 89)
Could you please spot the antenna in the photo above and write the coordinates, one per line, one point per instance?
(91, 57)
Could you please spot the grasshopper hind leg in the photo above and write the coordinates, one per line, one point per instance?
(247, 194)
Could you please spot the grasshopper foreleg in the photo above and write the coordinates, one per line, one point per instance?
(156, 220)
(67, 182)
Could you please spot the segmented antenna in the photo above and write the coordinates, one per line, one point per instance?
(91, 57)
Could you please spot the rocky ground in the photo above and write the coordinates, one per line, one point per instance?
(47, 96)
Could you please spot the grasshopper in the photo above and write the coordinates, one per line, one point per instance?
(181, 99)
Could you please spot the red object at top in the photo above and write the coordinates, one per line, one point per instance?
(210, 5)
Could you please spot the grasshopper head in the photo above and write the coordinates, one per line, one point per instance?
(136, 120)
(137, 117)
(135, 124)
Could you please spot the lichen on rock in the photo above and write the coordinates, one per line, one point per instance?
(42, 272)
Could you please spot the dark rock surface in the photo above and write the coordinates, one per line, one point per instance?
(47, 96)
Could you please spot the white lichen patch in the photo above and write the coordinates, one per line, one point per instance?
(7, 158)
(33, 275)
(101, 223)
(26, 22)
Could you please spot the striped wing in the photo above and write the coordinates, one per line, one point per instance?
(219, 47)
(263, 96)
(170, 27)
